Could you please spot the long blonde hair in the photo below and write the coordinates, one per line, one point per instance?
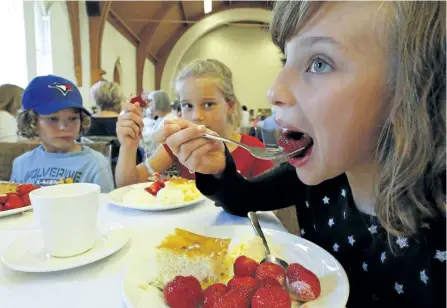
(411, 148)
(224, 81)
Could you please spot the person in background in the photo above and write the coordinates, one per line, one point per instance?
(270, 123)
(206, 93)
(368, 104)
(245, 119)
(10, 103)
(252, 116)
(260, 123)
(159, 108)
(108, 97)
(53, 110)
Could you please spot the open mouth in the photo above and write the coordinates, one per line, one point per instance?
(291, 141)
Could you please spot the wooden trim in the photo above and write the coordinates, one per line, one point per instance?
(118, 23)
(96, 30)
(183, 13)
(73, 16)
(146, 40)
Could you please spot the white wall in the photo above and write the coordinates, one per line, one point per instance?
(249, 53)
(115, 45)
(61, 42)
(149, 76)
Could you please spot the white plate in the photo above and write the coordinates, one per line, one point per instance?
(116, 198)
(334, 282)
(27, 254)
(15, 211)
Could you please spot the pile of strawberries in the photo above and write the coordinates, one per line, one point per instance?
(18, 199)
(254, 285)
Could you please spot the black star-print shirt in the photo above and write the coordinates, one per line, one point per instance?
(413, 276)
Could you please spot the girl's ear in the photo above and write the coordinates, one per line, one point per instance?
(231, 105)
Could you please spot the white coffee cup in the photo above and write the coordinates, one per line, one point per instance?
(67, 217)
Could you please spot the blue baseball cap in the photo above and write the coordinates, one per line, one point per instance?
(49, 94)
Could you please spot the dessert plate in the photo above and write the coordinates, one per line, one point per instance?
(27, 254)
(116, 198)
(334, 282)
(15, 211)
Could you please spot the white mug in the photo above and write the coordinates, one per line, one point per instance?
(67, 217)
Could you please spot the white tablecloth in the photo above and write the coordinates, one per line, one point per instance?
(98, 285)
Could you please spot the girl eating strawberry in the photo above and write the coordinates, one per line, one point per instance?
(363, 92)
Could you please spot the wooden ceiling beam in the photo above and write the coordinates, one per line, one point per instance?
(183, 13)
(96, 30)
(123, 28)
(146, 36)
(73, 16)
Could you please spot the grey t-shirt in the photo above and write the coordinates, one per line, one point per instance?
(42, 168)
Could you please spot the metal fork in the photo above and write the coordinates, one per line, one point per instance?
(261, 153)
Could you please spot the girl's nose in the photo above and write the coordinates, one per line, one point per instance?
(279, 93)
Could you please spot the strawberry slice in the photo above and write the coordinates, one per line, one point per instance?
(26, 200)
(244, 266)
(3, 198)
(14, 202)
(183, 292)
(24, 189)
(212, 295)
(271, 270)
(271, 297)
(303, 285)
(155, 187)
(248, 282)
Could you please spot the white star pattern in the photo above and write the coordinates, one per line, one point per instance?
(315, 228)
(441, 255)
(424, 277)
(307, 204)
(383, 257)
(303, 232)
(351, 240)
(365, 266)
(372, 229)
(402, 242)
(344, 214)
(335, 247)
(326, 200)
(399, 288)
(331, 222)
(343, 193)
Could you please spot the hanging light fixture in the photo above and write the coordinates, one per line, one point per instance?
(207, 6)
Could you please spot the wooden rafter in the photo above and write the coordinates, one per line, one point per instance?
(183, 13)
(122, 27)
(146, 36)
(73, 16)
(96, 30)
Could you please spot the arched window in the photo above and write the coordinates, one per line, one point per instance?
(13, 65)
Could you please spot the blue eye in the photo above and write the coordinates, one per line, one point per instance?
(319, 66)
(53, 119)
(186, 106)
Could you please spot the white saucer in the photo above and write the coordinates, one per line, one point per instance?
(27, 254)
(15, 211)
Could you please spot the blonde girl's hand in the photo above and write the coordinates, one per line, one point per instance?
(196, 153)
(129, 126)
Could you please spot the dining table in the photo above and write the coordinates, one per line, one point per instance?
(99, 284)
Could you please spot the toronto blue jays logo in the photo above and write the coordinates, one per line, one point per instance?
(63, 88)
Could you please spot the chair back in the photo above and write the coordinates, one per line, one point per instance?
(11, 150)
(269, 137)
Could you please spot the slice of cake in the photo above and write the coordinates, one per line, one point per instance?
(188, 254)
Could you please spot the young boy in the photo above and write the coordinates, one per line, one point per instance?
(53, 111)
